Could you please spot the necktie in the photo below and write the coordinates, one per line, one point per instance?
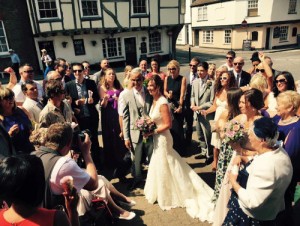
(238, 80)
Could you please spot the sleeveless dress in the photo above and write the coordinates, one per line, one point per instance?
(215, 138)
(171, 181)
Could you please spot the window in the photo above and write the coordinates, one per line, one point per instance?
(202, 13)
(292, 6)
(283, 33)
(139, 6)
(90, 8)
(79, 47)
(3, 40)
(254, 36)
(294, 32)
(111, 47)
(48, 9)
(252, 7)
(208, 36)
(155, 42)
(227, 36)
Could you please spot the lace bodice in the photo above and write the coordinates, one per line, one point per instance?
(155, 110)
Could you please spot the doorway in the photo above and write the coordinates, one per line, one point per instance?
(47, 45)
(196, 38)
(130, 51)
(267, 46)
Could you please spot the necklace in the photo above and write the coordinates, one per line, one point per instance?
(288, 121)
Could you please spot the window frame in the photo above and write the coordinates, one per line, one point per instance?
(208, 36)
(256, 33)
(91, 16)
(48, 18)
(226, 37)
(252, 8)
(106, 48)
(283, 37)
(202, 13)
(139, 14)
(154, 46)
(5, 38)
(292, 7)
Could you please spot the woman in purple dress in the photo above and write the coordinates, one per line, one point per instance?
(289, 132)
(114, 148)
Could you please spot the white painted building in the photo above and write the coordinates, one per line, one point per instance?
(122, 31)
(185, 35)
(259, 24)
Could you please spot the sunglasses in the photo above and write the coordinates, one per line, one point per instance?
(260, 70)
(29, 71)
(172, 69)
(64, 66)
(240, 64)
(86, 68)
(193, 65)
(33, 88)
(136, 80)
(79, 71)
(280, 81)
(229, 58)
(223, 78)
(9, 98)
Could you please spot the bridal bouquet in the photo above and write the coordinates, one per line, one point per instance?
(146, 125)
(234, 131)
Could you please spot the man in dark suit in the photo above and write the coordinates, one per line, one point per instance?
(242, 77)
(85, 96)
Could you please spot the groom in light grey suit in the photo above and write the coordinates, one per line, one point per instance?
(137, 103)
(202, 96)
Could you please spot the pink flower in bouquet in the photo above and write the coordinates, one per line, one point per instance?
(234, 131)
(145, 125)
(236, 128)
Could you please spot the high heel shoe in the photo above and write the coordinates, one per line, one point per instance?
(129, 217)
(129, 204)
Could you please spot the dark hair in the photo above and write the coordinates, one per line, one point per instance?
(57, 62)
(255, 98)
(117, 84)
(218, 86)
(196, 59)
(204, 65)
(158, 82)
(23, 86)
(22, 180)
(77, 64)
(290, 82)
(255, 57)
(53, 88)
(233, 96)
(231, 53)
(158, 64)
(58, 136)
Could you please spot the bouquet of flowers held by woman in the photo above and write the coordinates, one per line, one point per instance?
(146, 125)
(234, 132)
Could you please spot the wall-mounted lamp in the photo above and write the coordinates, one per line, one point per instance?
(144, 38)
(93, 42)
(64, 44)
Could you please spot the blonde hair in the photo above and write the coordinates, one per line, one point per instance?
(127, 71)
(259, 82)
(5, 93)
(174, 63)
(290, 98)
(38, 137)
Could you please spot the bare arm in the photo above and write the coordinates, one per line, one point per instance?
(166, 118)
(103, 96)
(166, 93)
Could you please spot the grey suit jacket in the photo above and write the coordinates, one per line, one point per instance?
(202, 97)
(132, 111)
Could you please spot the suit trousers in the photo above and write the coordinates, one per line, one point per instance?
(141, 149)
(189, 119)
(203, 128)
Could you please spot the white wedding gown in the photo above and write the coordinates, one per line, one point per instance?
(171, 181)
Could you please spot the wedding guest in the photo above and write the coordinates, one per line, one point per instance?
(23, 185)
(114, 148)
(212, 70)
(104, 64)
(221, 87)
(202, 96)
(219, 70)
(282, 82)
(155, 69)
(230, 56)
(47, 61)
(16, 122)
(258, 189)
(232, 110)
(127, 71)
(255, 61)
(250, 103)
(174, 90)
(143, 66)
(68, 74)
(15, 62)
(288, 122)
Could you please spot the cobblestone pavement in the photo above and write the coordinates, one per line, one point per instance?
(152, 215)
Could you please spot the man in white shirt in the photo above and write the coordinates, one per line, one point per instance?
(229, 60)
(27, 74)
(32, 104)
(104, 64)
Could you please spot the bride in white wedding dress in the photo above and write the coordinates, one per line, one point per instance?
(170, 180)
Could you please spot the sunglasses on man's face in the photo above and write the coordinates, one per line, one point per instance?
(172, 69)
(240, 64)
(29, 71)
(75, 71)
(260, 70)
(229, 58)
(280, 81)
